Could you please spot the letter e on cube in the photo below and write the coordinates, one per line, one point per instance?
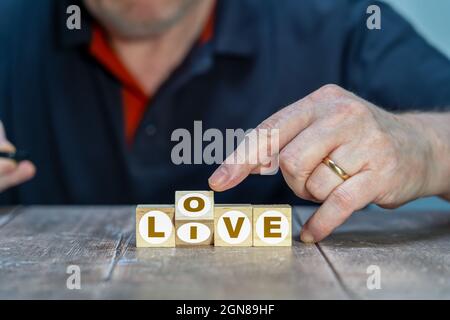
(272, 225)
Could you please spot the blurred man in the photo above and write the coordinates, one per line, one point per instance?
(96, 107)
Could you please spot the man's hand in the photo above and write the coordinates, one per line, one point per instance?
(391, 159)
(12, 173)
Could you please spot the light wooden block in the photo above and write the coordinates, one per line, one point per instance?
(191, 233)
(155, 226)
(233, 225)
(272, 225)
(194, 205)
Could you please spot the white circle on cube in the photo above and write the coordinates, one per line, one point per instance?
(194, 204)
(162, 224)
(184, 232)
(281, 227)
(234, 215)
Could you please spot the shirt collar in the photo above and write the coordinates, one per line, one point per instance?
(237, 29)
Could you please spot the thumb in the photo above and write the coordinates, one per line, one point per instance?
(5, 145)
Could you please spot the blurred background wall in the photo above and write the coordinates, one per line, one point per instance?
(432, 19)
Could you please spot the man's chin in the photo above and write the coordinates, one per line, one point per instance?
(131, 27)
(133, 31)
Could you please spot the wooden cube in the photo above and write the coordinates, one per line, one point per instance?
(194, 233)
(272, 225)
(233, 225)
(194, 205)
(155, 226)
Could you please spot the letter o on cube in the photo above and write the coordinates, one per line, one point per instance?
(192, 205)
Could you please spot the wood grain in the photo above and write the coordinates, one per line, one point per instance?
(297, 272)
(411, 249)
(37, 244)
(7, 214)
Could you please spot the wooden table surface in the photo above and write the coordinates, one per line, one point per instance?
(37, 244)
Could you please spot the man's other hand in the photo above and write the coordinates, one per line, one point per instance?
(12, 173)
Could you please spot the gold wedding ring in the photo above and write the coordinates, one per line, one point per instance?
(336, 169)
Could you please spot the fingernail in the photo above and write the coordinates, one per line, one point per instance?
(306, 237)
(219, 177)
(6, 146)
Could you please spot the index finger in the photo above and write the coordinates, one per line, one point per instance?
(285, 125)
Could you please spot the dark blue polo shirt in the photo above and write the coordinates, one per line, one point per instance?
(60, 104)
